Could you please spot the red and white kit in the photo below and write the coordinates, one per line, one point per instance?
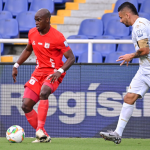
(48, 49)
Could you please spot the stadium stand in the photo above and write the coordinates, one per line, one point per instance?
(78, 48)
(60, 1)
(107, 17)
(37, 4)
(112, 57)
(30, 1)
(63, 58)
(91, 28)
(26, 20)
(97, 57)
(9, 28)
(105, 49)
(135, 60)
(1, 46)
(140, 1)
(74, 14)
(144, 15)
(116, 29)
(119, 2)
(4, 1)
(68, 20)
(145, 7)
(1, 5)
(128, 48)
(15, 7)
(5, 15)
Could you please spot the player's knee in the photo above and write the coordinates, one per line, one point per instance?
(130, 99)
(44, 95)
(26, 108)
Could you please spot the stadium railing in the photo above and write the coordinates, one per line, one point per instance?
(89, 41)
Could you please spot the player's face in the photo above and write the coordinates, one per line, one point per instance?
(40, 23)
(124, 18)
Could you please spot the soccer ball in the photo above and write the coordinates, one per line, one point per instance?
(15, 134)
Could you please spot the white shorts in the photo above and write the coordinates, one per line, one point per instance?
(140, 84)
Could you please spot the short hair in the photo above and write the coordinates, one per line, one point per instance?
(129, 6)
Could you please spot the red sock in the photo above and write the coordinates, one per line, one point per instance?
(32, 118)
(42, 113)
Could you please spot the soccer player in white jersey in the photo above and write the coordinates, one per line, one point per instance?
(141, 81)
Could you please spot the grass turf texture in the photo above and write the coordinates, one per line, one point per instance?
(76, 144)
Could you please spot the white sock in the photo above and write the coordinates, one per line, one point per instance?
(126, 113)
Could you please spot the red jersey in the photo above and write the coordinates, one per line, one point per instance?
(48, 49)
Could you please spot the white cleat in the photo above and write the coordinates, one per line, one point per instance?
(111, 136)
(41, 135)
(47, 140)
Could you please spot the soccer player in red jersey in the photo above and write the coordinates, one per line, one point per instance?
(49, 46)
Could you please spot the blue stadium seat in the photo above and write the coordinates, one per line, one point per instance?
(144, 15)
(1, 46)
(1, 5)
(145, 7)
(97, 57)
(38, 4)
(112, 57)
(140, 1)
(16, 6)
(105, 49)
(107, 17)
(5, 15)
(26, 20)
(135, 60)
(119, 2)
(30, 1)
(64, 59)
(4, 1)
(128, 48)
(9, 28)
(91, 28)
(61, 1)
(117, 29)
(78, 48)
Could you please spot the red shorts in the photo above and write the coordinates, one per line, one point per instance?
(35, 83)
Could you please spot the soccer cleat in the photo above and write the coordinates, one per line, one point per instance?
(111, 136)
(41, 135)
(48, 139)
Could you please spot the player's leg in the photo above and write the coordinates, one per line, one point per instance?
(126, 112)
(137, 89)
(46, 90)
(30, 98)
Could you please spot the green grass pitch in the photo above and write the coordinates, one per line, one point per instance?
(76, 144)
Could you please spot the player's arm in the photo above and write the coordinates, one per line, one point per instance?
(142, 51)
(69, 62)
(23, 57)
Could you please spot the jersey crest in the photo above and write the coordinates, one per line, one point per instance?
(47, 45)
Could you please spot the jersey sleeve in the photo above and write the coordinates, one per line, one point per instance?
(63, 45)
(140, 32)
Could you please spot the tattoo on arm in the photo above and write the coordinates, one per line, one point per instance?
(137, 54)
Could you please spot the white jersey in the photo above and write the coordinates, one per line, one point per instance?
(141, 30)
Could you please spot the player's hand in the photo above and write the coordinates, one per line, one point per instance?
(14, 74)
(54, 77)
(126, 58)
